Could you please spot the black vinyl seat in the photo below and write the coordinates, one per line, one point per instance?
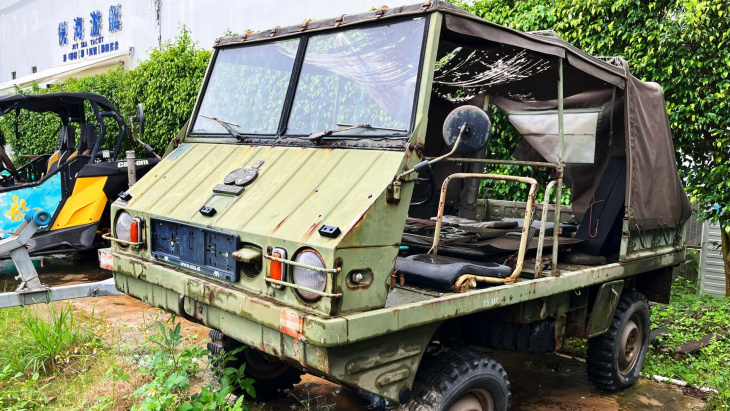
(441, 272)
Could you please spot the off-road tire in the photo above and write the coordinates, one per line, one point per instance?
(451, 375)
(535, 337)
(267, 384)
(604, 370)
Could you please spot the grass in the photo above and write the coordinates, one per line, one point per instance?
(690, 317)
(53, 356)
(56, 358)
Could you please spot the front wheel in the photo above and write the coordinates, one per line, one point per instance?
(616, 357)
(270, 374)
(460, 379)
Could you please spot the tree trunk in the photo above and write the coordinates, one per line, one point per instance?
(726, 257)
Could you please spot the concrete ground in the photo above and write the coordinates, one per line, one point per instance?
(539, 382)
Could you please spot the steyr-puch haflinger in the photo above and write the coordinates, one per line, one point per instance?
(323, 207)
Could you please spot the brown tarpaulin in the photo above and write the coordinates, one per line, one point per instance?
(655, 192)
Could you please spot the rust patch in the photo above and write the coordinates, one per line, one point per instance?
(211, 296)
(311, 229)
(278, 226)
(312, 194)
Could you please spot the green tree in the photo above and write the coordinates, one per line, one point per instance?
(684, 45)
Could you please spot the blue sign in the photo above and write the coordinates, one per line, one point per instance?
(96, 45)
(78, 29)
(95, 23)
(62, 34)
(115, 18)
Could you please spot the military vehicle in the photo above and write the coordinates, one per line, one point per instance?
(323, 207)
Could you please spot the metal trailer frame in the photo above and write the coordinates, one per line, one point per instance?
(31, 290)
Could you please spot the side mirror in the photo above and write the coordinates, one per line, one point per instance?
(477, 132)
(139, 118)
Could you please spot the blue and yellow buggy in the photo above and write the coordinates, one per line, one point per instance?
(75, 183)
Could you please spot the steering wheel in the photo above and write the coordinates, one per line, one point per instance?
(431, 178)
(7, 164)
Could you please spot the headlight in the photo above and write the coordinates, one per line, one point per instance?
(128, 228)
(309, 278)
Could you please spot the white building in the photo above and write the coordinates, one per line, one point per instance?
(46, 41)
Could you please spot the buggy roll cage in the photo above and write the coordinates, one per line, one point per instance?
(70, 106)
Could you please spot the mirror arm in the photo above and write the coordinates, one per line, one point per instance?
(462, 131)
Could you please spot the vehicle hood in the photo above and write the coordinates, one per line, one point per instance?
(297, 191)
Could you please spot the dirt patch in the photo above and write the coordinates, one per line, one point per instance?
(695, 393)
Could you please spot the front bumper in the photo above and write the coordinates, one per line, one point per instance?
(384, 365)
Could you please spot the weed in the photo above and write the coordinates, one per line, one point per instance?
(318, 403)
(690, 317)
(173, 364)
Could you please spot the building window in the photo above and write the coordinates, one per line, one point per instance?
(34, 69)
(12, 75)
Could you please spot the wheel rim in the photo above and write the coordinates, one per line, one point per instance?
(478, 399)
(630, 344)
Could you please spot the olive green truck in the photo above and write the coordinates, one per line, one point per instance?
(333, 204)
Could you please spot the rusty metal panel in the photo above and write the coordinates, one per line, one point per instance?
(344, 329)
(368, 324)
(639, 243)
(602, 313)
(493, 209)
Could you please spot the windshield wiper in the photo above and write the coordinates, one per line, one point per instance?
(227, 125)
(316, 137)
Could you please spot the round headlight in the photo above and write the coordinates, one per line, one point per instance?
(309, 278)
(123, 227)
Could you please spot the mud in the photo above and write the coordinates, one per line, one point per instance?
(539, 382)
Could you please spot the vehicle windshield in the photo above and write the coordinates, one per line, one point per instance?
(359, 76)
(247, 89)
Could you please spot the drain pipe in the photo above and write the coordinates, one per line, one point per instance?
(132, 167)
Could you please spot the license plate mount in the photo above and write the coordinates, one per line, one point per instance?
(199, 249)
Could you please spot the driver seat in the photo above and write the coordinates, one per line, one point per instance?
(66, 147)
(88, 139)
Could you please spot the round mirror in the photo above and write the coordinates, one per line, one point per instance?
(478, 129)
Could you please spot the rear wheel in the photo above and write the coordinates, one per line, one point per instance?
(616, 357)
(461, 379)
(271, 375)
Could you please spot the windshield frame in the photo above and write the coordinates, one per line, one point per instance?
(281, 138)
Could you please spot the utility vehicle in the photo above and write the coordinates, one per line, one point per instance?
(323, 207)
(75, 183)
